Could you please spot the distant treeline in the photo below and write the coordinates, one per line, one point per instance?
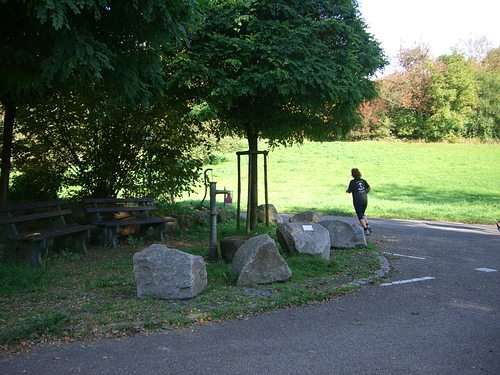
(449, 98)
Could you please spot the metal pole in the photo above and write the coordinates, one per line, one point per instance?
(212, 247)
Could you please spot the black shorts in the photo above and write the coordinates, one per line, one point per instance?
(360, 208)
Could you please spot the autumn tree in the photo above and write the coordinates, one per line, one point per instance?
(282, 71)
(431, 99)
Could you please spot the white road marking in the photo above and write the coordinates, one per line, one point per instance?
(483, 269)
(406, 256)
(408, 281)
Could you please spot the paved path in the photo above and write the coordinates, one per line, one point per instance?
(437, 313)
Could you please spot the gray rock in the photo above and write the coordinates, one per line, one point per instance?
(258, 261)
(166, 273)
(305, 217)
(309, 238)
(229, 246)
(344, 234)
(274, 217)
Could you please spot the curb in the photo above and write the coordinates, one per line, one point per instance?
(384, 270)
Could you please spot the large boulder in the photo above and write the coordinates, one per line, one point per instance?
(274, 217)
(344, 234)
(229, 246)
(166, 273)
(305, 217)
(309, 238)
(258, 261)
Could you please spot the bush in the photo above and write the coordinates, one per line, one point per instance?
(35, 185)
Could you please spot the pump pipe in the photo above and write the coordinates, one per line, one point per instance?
(212, 247)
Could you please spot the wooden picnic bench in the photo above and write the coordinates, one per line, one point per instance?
(30, 229)
(112, 214)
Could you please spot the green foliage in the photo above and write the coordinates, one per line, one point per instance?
(452, 98)
(51, 323)
(84, 42)
(485, 122)
(445, 99)
(21, 279)
(103, 146)
(80, 46)
(35, 184)
(278, 70)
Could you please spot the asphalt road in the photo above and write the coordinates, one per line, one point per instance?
(438, 312)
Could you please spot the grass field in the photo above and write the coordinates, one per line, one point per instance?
(79, 297)
(431, 181)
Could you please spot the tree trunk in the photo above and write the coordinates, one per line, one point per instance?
(252, 176)
(8, 132)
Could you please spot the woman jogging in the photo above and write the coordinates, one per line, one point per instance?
(359, 189)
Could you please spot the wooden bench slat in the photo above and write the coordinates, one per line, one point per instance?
(32, 205)
(120, 209)
(50, 232)
(33, 241)
(137, 221)
(32, 217)
(150, 226)
(118, 200)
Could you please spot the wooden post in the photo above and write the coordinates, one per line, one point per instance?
(238, 209)
(248, 192)
(265, 188)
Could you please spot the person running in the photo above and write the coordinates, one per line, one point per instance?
(359, 189)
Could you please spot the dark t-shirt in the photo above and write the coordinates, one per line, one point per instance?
(359, 190)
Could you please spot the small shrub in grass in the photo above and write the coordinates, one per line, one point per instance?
(307, 265)
(51, 323)
(21, 279)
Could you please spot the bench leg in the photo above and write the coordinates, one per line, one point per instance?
(74, 242)
(35, 252)
(31, 253)
(80, 241)
(111, 237)
(153, 232)
(10, 249)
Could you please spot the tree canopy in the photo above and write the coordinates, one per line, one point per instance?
(83, 45)
(279, 70)
(437, 99)
(46, 42)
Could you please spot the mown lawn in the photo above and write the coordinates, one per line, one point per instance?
(88, 297)
(429, 181)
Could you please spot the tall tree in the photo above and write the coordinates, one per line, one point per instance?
(453, 98)
(431, 99)
(79, 43)
(485, 123)
(279, 70)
